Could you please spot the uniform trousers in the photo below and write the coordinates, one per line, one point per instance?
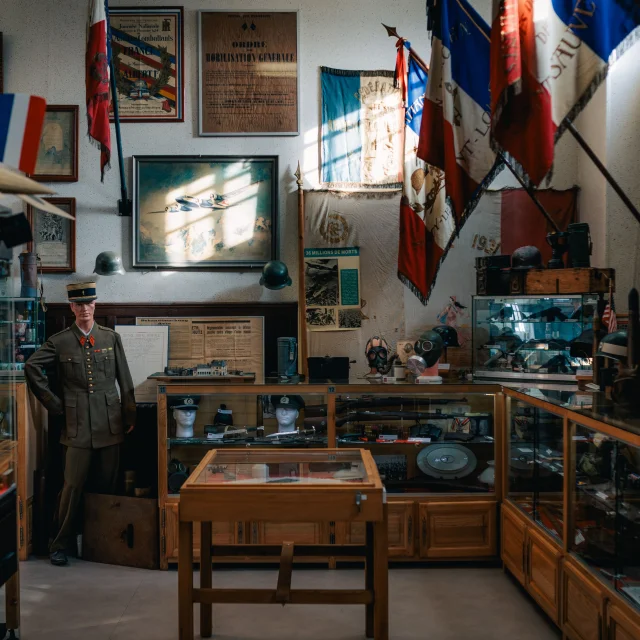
(98, 468)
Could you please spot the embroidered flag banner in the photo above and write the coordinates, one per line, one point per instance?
(548, 57)
(21, 119)
(426, 223)
(97, 82)
(362, 129)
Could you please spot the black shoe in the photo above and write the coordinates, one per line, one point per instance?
(58, 558)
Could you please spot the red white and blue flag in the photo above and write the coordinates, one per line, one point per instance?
(548, 57)
(21, 120)
(609, 318)
(97, 82)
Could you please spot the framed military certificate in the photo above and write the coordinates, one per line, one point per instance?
(147, 45)
(248, 73)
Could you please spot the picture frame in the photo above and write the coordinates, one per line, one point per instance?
(54, 237)
(204, 212)
(148, 54)
(58, 149)
(248, 73)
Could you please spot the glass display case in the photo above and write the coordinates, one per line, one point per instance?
(606, 509)
(532, 337)
(21, 332)
(535, 464)
(204, 417)
(425, 442)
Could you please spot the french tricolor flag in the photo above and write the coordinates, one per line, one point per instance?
(456, 119)
(548, 58)
(21, 120)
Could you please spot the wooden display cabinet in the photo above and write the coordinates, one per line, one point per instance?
(622, 623)
(583, 601)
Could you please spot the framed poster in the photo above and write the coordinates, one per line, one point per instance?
(148, 50)
(248, 73)
(54, 238)
(58, 150)
(202, 212)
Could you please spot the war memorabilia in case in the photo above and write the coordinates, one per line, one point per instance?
(532, 337)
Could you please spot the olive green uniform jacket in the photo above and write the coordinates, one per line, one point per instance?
(94, 416)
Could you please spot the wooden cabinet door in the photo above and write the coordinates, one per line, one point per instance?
(298, 532)
(582, 604)
(543, 572)
(514, 529)
(401, 529)
(622, 623)
(457, 529)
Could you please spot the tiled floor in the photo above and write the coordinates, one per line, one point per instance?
(87, 601)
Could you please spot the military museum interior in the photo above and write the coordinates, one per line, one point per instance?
(320, 303)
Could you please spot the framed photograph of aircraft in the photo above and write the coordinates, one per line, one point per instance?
(204, 212)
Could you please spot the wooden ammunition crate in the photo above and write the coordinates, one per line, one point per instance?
(552, 281)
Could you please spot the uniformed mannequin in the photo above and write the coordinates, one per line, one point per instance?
(89, 359)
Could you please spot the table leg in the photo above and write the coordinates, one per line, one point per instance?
(185, 581)
(380, 579)
(206, 610)
(368, 579)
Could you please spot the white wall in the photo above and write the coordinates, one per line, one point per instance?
(44, 47)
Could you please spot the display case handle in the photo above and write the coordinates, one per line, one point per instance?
(424, 532)
(410, 529)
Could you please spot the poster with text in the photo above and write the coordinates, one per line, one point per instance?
(332, 289)
(248, 73)
(147, 46)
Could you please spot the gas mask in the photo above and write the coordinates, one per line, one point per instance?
(377, 352)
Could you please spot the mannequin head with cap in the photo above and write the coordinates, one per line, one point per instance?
(287, 412)
(82, 299)
(184, 413)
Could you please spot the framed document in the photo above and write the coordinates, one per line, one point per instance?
(58, 150)
(148, 49)
(248, 73)
(203, 212)
(54, 238)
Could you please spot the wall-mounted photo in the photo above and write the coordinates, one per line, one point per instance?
(147, 45)
(54, 237)
(58, 151)
(202, 212)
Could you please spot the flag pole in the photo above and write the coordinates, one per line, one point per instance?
(124, 204)
(391, 31)
(603, 170)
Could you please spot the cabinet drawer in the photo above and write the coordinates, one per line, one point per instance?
(513, 542)
(543, 572)
(279, 532)
(582, 605)
(457, 529)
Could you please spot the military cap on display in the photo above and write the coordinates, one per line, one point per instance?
(288, 402)
(82, 292)
(184, 402)
(108, 263)
(275, 275)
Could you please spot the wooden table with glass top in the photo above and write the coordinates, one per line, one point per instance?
(284, 485)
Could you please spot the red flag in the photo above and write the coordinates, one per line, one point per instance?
(97, 82)
(522, 122)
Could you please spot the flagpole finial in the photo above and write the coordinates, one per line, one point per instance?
(391, 31)
(298, 175)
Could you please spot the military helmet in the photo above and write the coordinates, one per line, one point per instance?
(448, 334)
(275, 275)
(526, 258)
(429, 346)
(614, 345)
(108, 263)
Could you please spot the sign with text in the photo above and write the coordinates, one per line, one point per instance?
(248, 73)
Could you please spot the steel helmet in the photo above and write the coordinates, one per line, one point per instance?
(526, 258)
(108, 263)
(430, 347)
(614, 346)
(275, 275)
(448, 334)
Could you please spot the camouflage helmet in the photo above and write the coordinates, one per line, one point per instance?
(108, 263)
(275, 275)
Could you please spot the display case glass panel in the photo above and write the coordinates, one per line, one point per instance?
(423, 442)
(21, 330)
(532, 337)
(197, 422)
(535, 469)
(607, 509)
(8, 408)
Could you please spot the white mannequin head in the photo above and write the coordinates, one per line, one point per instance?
(184, 422)
(286, 417)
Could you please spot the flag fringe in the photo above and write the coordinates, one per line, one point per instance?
(350, 73)
(359, 187)
(412, 287)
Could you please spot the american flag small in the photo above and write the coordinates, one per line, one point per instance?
(609, 319)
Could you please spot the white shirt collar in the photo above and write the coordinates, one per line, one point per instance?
(86, 333)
